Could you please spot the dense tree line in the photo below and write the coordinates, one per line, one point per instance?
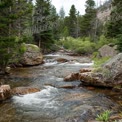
(76, 25)
(14, 18)
(22, 21)
(39, 23)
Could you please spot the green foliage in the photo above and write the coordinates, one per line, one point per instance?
(22, 49)
(114, 25)
(104, 116)
(65, 32)
(43, 20)
(13, 21)
(62, 13)
(99, 61)
(72, 21)
(27, 38)
(54, 19)
(103, 40)
(88, 20)
(81, 46)
(119, 42)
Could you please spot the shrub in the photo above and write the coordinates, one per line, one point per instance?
(104, 116)
(99, 61)
(79, 45)
(103, 40)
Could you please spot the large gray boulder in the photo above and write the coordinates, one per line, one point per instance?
(110, 75)
(32, 55)
(114, 68)
(107, 51)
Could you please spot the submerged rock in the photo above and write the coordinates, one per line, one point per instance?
(24, 90)
(61, 60)
(5, 92)
(32, 56)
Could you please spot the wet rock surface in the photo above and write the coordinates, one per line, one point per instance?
(24, 90)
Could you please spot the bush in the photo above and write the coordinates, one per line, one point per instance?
(84, 45)
(104, 116)
(79, 45)
(103, 40)
(99, 61)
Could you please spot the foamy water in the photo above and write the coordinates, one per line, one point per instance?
(77, 64)
(44, 98)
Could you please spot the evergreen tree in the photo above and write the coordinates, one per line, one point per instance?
(88, 20)
(42, 24)
(7, 39)
(61, 22)
(10, 30)
(62, 13)
(54, 18)
(72, 24)
(21, 11)
(114, 25)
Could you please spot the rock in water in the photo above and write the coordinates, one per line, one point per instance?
(62, 60)
(72, 77)
(32, 56)
(24, 90)
(5, 92)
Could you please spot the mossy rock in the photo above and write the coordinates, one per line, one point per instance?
(31, 48)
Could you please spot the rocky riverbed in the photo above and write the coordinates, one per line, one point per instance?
(57, 100)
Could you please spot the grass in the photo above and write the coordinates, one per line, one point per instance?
(99, 61)
(104, 116)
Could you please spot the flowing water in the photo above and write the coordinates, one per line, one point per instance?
(53, 103)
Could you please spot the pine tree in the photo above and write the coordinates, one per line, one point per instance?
(61, 22)
(10, 30)
(72, 21)
(88, 20)
(62, 13)
(54, 18)
(42, 24)
(22, 10)
(7, 39)
(114, 25)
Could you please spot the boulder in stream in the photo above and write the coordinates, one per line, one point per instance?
(24, 90)
(5, 92)
(32, 55)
